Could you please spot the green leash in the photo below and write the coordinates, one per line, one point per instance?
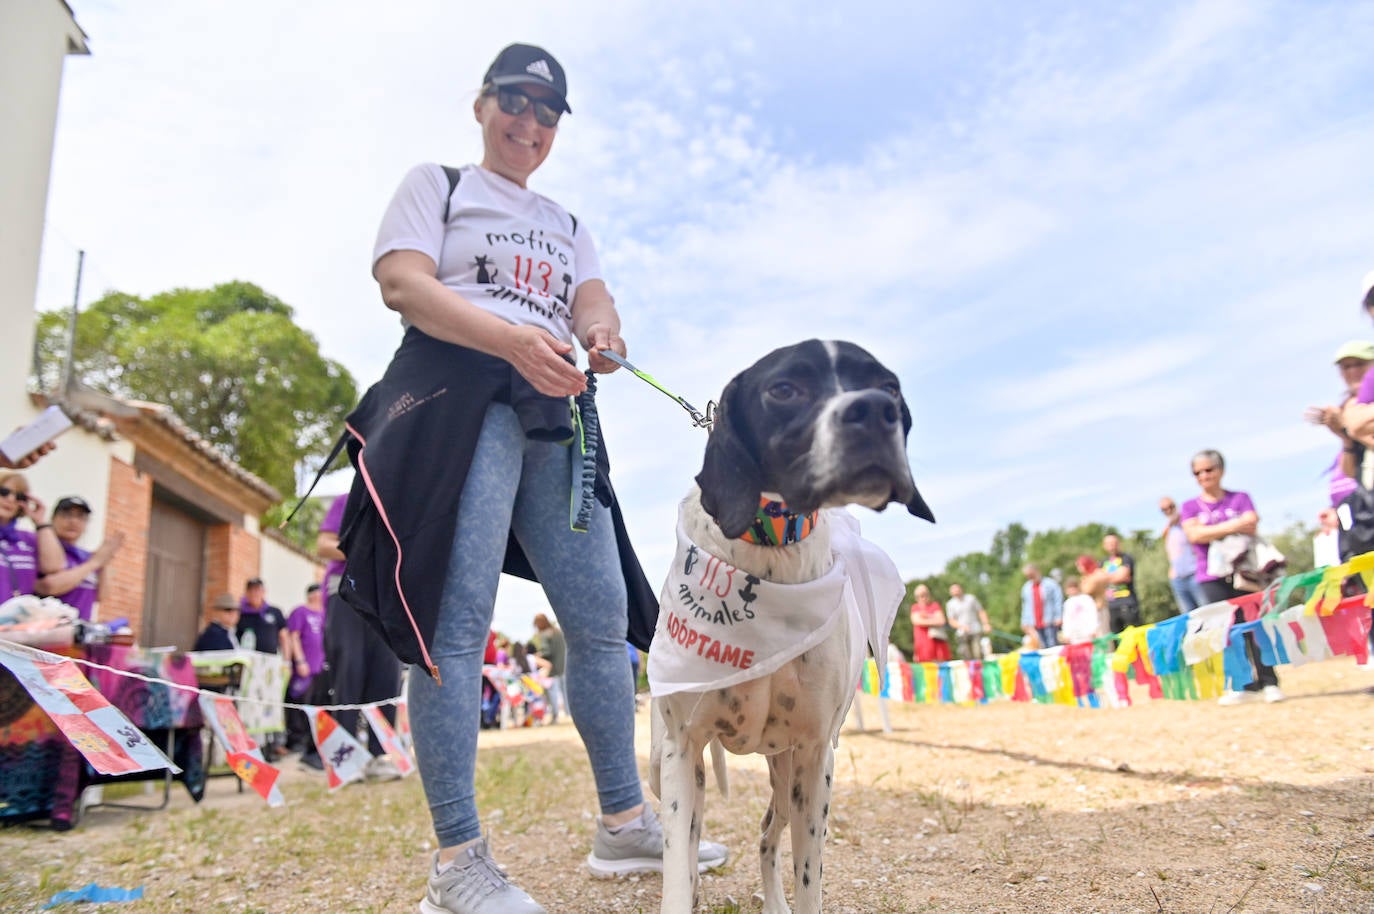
(699, 419)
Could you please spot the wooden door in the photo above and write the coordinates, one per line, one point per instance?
(174, 599)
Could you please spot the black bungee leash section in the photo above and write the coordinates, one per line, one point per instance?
(586, 442)
(587, 438)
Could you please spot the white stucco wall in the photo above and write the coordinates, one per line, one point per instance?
(286, 574)
(79, 466)
(35, 38)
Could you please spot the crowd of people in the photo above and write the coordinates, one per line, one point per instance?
(1102, 600)
(1211, 542)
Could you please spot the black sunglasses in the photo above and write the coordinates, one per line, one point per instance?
(5, 492)
(514, 101)
(1200, 470)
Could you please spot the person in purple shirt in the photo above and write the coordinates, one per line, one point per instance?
(1217, 513)
(65, 569)
(363, 667)
(1358, 413)
(18, 547)
(305, 630)
(1353, 360)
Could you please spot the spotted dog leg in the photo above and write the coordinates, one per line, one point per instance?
(774, 826)
(682, 780)
(810, 799)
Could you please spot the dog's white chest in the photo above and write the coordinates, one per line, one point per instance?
(801, 703)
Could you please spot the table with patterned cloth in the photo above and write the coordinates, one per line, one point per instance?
(44, 775)
(31, 750)
(160, 711)
(260, 685)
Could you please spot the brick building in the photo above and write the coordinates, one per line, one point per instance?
(189, 516)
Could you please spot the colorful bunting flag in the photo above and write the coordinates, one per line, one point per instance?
(391, 743)
(344, 757)
(240, 749)
(97, 729)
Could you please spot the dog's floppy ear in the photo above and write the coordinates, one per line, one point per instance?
(731, 478)
(918, 507)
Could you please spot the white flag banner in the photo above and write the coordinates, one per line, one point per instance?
(391, 743)
(344, 757)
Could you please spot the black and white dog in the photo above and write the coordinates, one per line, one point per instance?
(773, 598)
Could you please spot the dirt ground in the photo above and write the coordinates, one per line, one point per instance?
(1161, 807)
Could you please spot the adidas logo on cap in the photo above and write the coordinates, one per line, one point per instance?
(541, 69)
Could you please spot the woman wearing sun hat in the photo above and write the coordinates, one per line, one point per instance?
(1352, 361)
(462, 449)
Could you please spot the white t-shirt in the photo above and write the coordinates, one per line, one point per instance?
(506, 249)
(1080, 619)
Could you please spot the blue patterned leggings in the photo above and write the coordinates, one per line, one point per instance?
(523, 486)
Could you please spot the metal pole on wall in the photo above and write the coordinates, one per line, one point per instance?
(67, 368)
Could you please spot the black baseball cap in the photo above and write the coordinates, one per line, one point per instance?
(524, 64)
(71, 503)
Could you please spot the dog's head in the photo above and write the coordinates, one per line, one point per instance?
(819, 423)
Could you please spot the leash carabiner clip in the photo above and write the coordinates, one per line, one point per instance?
(699, 419)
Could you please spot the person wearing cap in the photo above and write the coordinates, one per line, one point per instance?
(1352, 361)
(261, 623)
(1358, 413)
(259, 629)
(468, 432)
(219, 632)
(65, 569)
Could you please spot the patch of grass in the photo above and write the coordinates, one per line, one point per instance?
(998, 852)
(949, 812)
(1309, 872)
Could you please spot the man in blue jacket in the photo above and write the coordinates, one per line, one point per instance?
(1042, 607)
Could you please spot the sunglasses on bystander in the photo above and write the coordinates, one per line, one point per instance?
(6, 492)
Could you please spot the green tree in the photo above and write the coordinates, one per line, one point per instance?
(229, 361)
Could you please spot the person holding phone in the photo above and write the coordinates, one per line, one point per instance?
(18, 546)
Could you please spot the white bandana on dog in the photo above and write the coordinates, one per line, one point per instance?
(718, 626)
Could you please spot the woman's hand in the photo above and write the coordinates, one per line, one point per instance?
(1329, 416)
(599, 337)
(36, 511)
(28, 459)
(107, 550)
(539, 358)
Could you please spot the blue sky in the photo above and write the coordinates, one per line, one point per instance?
(1090, 239)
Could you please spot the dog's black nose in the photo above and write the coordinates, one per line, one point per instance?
(873, 410)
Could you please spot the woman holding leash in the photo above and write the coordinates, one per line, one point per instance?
(495, 283)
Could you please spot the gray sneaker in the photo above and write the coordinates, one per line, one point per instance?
(381, 768)
(474, 884)
(638, 848)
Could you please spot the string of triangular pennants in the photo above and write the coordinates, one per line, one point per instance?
(1194, 656)
(114, 745)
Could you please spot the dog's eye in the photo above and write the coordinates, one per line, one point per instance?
(892, 390)
(783, 391)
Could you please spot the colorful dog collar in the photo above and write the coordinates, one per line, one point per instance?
(774, 525)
